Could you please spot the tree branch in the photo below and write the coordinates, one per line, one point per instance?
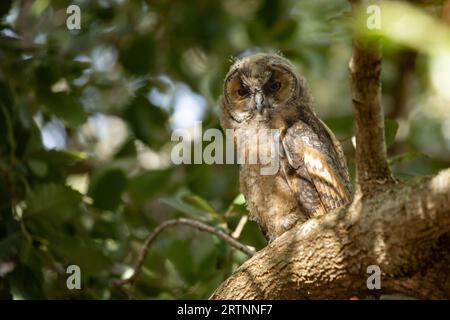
(402, 230)
(365, 70)
(176, 222)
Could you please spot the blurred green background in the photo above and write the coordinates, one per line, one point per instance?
(86, 119)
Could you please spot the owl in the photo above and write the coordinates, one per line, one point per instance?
(264, 91)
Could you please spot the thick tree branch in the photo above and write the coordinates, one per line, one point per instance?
(402, 230)
(365, 70)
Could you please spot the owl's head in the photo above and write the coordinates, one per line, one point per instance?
(261, 85)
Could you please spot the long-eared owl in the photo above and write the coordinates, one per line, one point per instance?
(264, 91)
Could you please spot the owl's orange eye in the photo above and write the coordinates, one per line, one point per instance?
(273, 86)
(243, 91)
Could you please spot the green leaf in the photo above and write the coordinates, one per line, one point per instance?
(148, 122)
(82, 252)
(198, 202)
(58, 157)
(405, 157)
(107, 187)
(65, 107)
(138, 54)
(192, 205)
(57, 201)
(239, 200)
(144, 186)
(35, 142)
(205, 256)
(6, 124)
(8, 245)
(39, 168)
(236, 210)
(40, 161)
(26, 283)
(6, 96)
(127, 149)
(5, 6)
(390, 130)
(252, 235)
(180, 254)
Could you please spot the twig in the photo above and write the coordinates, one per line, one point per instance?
(237, 232)
(365, 71)
(172, 223)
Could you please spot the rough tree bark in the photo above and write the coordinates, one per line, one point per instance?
(402, 230)
(401, 227)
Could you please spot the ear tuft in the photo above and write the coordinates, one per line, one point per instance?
(233, 59)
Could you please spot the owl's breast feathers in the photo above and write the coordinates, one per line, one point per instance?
(315, 168)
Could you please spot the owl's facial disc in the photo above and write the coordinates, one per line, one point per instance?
(258, 89)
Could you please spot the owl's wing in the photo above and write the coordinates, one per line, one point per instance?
(341, 162)
(312, 170)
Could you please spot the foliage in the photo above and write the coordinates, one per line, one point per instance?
(86, 120)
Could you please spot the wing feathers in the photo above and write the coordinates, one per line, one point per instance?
(311, 171)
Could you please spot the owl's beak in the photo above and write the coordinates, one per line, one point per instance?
(260, 102)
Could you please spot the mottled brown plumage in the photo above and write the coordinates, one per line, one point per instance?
(264, 91)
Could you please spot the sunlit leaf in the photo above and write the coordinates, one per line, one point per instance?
(191, 206)
(239, 200)
(409, 156)
(58, 157)
(200, 203)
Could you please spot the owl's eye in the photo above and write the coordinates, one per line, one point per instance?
(273, 86)
(243, 91)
